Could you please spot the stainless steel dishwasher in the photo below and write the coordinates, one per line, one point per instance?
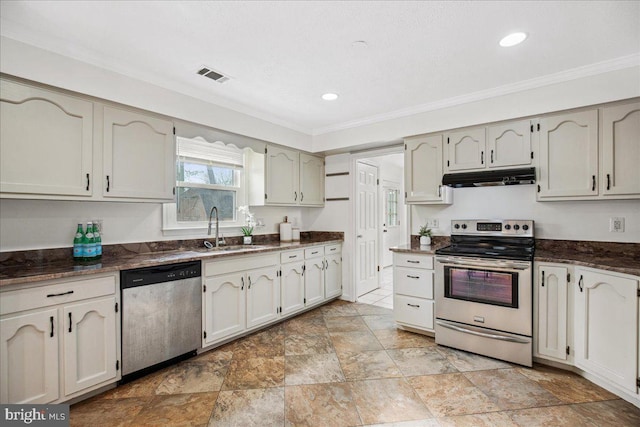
(161, 316)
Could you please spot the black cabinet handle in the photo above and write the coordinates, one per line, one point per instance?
(593, 183)
(439, 190)
(51, 320)
(249, 287)
(413, 262)
(87, 182)
(491, 156)
(608, 182)
(60, 294)
(413, 277)
(543, 279)
(580, 284)
(108, 184)
(242, 280)
(70, 323)
(482, 157)
(295, 195)
(301, 196)
(413, 305)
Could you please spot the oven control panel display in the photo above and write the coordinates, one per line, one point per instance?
(489, 226)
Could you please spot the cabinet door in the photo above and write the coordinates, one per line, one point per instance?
(423, 169)
(292, 287)
(139, 156)
(223, 306)
(621, 150)
(311, 180)
(568, 164)
(466, 149)
(263, 296)
(509, 144)
(314, 280)
(282, 179)
(606, 325)
(333, 276)
(551, 313)
(46, 142)
(89, 336)
(29, 358)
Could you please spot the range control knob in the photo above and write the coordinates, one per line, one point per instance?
(516, 227)
(456, 226)
(464, 226)
(507, 227)
(525, 227)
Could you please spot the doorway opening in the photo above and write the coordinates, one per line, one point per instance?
(380, 223)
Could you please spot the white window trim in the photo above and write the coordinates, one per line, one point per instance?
(172, 227)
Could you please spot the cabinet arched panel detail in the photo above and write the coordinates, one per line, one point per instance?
(46, 142)
(466, 149)
(29, 358)
(621, 150)
(223, 307)
(263, 296)
(282, 179)
(509, 144)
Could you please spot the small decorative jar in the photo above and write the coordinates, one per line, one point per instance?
(425, 240)
(247, 240)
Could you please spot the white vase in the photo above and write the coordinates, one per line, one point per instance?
(425, 240)
(247, 240)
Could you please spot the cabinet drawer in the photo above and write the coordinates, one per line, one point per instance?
(412, 311)
(333, 249)
(314, 252)
(411, 260)
(291, 256)
(241, 263)
(414, 282)
(59, 293)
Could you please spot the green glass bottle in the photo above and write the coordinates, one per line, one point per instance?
(89, 244)
(98, 239)
(78, 248)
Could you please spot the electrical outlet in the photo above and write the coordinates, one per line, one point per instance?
(616, 224)
(432, 223)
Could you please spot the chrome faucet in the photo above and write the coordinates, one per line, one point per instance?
(214, 209)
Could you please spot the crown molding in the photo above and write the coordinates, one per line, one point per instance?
(550, 79)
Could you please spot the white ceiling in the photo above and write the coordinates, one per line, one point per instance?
(281, 56)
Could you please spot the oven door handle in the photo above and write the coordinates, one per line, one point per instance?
(474, 262)
(483, 334)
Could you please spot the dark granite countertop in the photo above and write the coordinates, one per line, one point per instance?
(611, 256)
(27, 267)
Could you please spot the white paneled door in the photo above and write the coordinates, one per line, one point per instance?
(366, 229)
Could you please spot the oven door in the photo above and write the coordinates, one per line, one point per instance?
(486, 293)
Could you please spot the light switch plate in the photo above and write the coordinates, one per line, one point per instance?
(616, 224)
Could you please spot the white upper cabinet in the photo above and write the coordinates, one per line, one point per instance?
(139, 156)
(509, 144)
(466, 149)
(568, 163)
(621, 150)
(311, 180)
(423, 159)
(282, 179)
(46, 143)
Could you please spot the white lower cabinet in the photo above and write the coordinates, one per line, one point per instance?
(29, 357)
(236, 300)
(58, 340)
(606, 326)
(263, 296)
(223, 307)
(552, 305)
(413, 303)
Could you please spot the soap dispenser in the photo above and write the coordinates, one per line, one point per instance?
(286, 230)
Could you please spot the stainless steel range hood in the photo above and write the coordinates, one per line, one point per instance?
(490, 178)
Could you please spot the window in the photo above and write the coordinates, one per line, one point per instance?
(392, 207)
(208, 174)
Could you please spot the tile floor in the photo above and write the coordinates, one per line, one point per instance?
(383, 296)
(346, 364)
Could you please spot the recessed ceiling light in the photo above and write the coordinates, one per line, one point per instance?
(330, 96)
(359, 44)
(513, 39)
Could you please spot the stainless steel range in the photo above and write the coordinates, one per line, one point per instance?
(484, 289)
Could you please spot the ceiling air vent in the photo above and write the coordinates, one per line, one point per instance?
(213, 75)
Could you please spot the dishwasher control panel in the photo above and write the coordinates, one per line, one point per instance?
(160, 273)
